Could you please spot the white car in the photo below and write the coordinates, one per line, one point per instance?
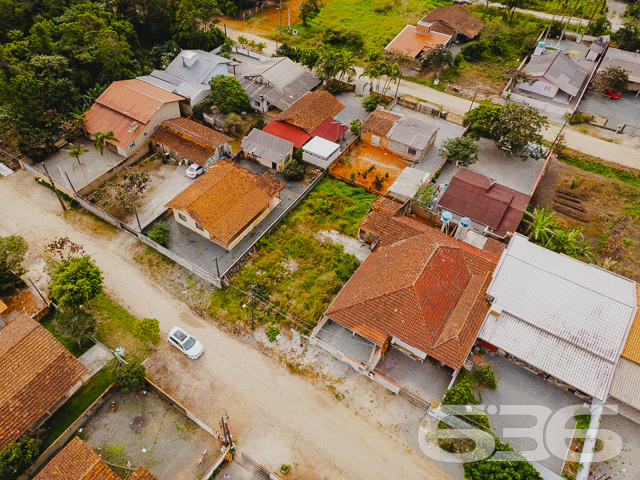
(194, 170)
(184, 342)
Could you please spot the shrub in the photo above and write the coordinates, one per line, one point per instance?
(130, 376)
(259, 124)
(485, 377)
(334, 87)
(75, 282)
(229, 95)
(233, 124)
(12, 252)
(17, 456)
(356, 127)
(76, 324)
(461, 394)
(474, 50)
(147, 329)
(461, 151)
(371, 102)
(341, 36)
(272, 332)
(159, 233)
(294, 170)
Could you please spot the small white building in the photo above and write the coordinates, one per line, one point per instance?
(407, 184)
(320, 152)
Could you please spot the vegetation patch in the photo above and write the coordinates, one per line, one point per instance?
(292, 271)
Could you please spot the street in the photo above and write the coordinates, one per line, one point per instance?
(268, 406)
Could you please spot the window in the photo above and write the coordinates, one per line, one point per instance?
(256, 103)
(286, 159)
(182, 217)
(132, 144)
(199, 227)
(412, 151)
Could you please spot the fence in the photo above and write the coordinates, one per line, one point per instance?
(260, 469)
(97, 211)
(113, 171)
(199, 271)
(428, 109)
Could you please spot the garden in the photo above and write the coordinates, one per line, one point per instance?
(292, 270)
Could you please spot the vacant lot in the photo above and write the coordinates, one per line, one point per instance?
(603, 200)
(292, 268)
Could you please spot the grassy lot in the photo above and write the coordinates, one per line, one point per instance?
(377, 20)
(73, 408)
(68, 343)
(602, 199)
(550, 7)
(292, 268)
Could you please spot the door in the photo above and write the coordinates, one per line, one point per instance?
(274, 165)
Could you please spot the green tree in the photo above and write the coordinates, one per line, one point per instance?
(12, 252)
(371, 102)
(540, 224)
(131, 189)
(516, 468)
(75, 281)
(17, 456)
(294, 170)
(195, 27)
(147, 329)
(461, 394)
(461, 151)
(308, 10)
(356, 127)
(437, 58)
(613, 78)
(159, 233)
(228, 95)
(517, 126)
(481, 120)
(233, 124)
(627, 37)
(599, 26)
(130, 377)
(76, 324)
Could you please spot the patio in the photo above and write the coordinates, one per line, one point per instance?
(427, 379)
(93, 164)
(346, 341)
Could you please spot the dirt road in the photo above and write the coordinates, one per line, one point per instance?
(274, 413)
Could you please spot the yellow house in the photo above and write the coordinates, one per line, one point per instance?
(226, 203)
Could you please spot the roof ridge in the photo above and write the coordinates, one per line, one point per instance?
(34, 326)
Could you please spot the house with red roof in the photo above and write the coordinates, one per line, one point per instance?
(420, 291)
(132, 110)
(313, 115)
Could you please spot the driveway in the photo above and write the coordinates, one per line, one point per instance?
(271, 410)
(623, 111)
(626, 466)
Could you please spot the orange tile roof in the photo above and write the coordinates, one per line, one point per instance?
(3, 306)
(631, 350)
(456, 17)
(311, 110)
(193, 151)
(379, 122)
(197, 132)
(426, 289)
(379, 215)
(77, 461)
(36, 372)
(226, 199)
(124, 103)
(411, 43)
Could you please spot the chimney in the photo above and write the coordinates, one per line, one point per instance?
(189, 58)
(423, 27)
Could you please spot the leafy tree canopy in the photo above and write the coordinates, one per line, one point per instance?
(516, 468)
(228, 95)
(75, 281)
(17, 456)
(12, 252)
(130, 377)
(462, 151)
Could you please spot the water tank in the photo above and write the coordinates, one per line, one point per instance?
(542, 44)
(465, 222)
(463, 228)
(446, 218)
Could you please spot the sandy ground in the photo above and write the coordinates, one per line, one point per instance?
(277, 416)
(351, 245)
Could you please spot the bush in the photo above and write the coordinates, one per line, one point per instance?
(461, 151)
(356, 127)
(159, 233)
(76, 324)
(461, 394)
(75, 281)
(259, 124)
(130, 377)
(17, 456)
(474, 50)
(294, 170)
(272, 332)
(229, 95)
(335, 87)
(147, 329)
(371, 102)
(12, 252)
(485, 377)
(233, 124)
(343, 37)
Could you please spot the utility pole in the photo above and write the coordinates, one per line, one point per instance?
(55, 190)
(473, 99)
(253, 325)
(135, 210)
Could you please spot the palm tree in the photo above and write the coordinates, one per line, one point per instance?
(540, 224)
(75, 151)
(346, 66)
(101, 138)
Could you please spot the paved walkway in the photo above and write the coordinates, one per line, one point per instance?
(95, 359)
(622, 154)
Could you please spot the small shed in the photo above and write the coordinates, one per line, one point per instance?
(407, 184)
(320, 152)
(268, 150)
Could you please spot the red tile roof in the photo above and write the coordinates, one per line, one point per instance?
(456, 17)
(311, 110)
(123, 104)
(426, 289)
(191, 140)
(36, 372)
(478, 197)
(331, 129)
(288, 132)
(379, 215)
(226, 199)
(77, 461)
(411, 43)
(379, 122)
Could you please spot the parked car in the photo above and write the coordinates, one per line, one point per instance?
(613, 95)
(194, 170)
(184, 342)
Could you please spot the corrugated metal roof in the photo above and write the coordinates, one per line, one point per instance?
(569, 363)
(559, 69)
(412, 132)
(570, 309)
(626, 383)
(265, 145)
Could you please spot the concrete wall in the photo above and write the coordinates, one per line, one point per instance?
(272, 204)
(189, 222)
(114, 171)
(541, 86)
